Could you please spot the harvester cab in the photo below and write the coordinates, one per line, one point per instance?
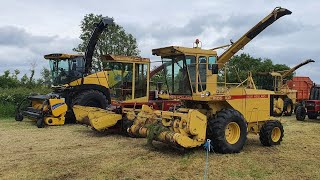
(65, 68)
(129, 77)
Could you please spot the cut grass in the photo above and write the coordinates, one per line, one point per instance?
(77, 152)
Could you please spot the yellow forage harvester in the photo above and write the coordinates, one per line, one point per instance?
(211, 108)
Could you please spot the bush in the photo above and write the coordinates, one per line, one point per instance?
(10, 97)
(7, 110)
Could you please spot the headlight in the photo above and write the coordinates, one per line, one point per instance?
(207, 93)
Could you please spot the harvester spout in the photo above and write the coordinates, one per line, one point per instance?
(296, 67)
(105, 22)
(276, 14)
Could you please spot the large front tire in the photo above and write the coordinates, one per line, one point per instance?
(271, 133)
(91, 98)
(228, 131)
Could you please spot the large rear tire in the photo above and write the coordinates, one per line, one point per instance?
(271, 133)
(228, 131)
(91, 98)
(301, 113)
(287, 107)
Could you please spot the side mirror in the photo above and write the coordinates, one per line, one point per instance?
(214, 68)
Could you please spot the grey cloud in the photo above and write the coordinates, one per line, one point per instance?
(19, 48)
(14, 36)
(237, 24)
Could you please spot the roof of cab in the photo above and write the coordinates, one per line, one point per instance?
(62, 56)
(121, 58)
(177, 50)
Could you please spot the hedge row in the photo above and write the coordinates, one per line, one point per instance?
(9, 98)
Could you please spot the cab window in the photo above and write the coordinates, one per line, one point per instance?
(202, 73)
(212, 60)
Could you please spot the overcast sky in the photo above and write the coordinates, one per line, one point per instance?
(30, 29)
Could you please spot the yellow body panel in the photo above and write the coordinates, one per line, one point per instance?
(54, 121)
(97, 118)
(99, 78)
(58, 107)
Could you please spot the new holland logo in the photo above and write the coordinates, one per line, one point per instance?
(56, 106)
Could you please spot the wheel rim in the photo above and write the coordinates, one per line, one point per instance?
(232, 133)
(275, 134)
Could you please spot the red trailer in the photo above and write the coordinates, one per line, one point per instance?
(302, 85)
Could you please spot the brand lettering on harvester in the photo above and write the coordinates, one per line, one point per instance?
(221, 98)
(56, 106)
(180, 97)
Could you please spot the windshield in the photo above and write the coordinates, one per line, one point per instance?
(120, 80)
(65, 71)
(176, 74)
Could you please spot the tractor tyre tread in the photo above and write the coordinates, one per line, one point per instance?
(80, 98)
(266, 131)
(216, 131)
(301, 113)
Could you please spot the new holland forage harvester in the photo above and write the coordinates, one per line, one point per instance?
(220, 111)
(284, 99)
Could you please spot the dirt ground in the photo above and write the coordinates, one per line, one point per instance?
(77, 152)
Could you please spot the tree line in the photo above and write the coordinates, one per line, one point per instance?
(11, 79)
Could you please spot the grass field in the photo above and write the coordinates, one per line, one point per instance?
(77, 152)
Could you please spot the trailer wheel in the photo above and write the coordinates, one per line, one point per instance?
(228, 131)
(312, 115)
(40, 123)
(301, 113)
(18, 117)
(271, 133)
(287, 107)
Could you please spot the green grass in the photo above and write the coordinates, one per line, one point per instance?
(77, 152)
